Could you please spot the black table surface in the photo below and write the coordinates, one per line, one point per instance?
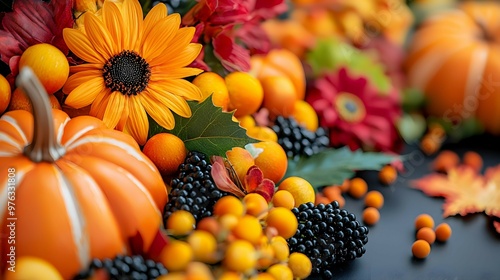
(473, 250)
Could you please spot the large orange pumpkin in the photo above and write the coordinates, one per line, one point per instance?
(78, 190)
(454, 58)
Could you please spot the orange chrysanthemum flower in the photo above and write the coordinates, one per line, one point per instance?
(134, 66)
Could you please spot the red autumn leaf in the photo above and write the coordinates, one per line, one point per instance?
(465, 191)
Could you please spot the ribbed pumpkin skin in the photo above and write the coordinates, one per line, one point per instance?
(84, 205)
(457, 68)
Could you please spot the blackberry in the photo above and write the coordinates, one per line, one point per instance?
(125, 268)
(328, 236)
(298, 141)
(193, 189)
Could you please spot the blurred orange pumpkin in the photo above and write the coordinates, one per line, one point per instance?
(77, 189)
(453, 57)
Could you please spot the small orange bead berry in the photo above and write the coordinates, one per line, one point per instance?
(371, 216)
(426, 234)
(421, 249)
(445, 160)
(374, 199)
(283, 198)
(424, 220)
(473, 160)
(443, 232)
(229, 205)
(358, 187)
(387, 175)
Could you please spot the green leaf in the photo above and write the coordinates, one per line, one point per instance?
(333, 166)
(331, 54)
(208, 130)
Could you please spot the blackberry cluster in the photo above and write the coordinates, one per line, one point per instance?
(125, 268)
(298, 141)
(328, 236)
(193, 189)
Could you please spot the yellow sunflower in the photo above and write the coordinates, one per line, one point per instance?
(134, 66)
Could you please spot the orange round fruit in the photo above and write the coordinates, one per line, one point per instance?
(283, 220)
(305, 115)
(270, 158)
(262, 133)
(19, 101)
(166, 151)
(245, 93)
(33, 268)
(211, 83)
(48, 63)
(279, 95)
(421, 249)
(5, 94)
(301, 190)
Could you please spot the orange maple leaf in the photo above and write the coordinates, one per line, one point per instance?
(465, 191)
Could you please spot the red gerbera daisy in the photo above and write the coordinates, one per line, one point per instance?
(356, 114)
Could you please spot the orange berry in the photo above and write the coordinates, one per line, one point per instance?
(248, 228)
(166, 151)
(229, 205)
(203, 244)
(210, 225)
(426, 234)
(266, 255)
(424, 220)
(198, 271)
(228, 221)
(280, 272)
(48, 63)
(305, 115)
(245, 93)
(270, 158)
(20, 101)
(240, 256)
(5, 94)
(262, 133)
(387, 175)
(176, 255)
(332, 192)
(300, 265)
(374, 199)
(283, 220)
(421, 249)
(358, 187)
(211, 83)
(246, 121)
(283, 198)
(241, 160)
(429, 144)
(301, 190)
(371, 216)
(473, 160)
(229, 275)
(443, 232)
(279, 95)
(321, 199)
(280, 247)
(445, 161)
(255, 204)
(180, 222)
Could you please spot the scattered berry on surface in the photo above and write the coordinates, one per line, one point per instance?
(371, 216)
(424, 220)
(421, 249)
(426, 234)
(443, 232)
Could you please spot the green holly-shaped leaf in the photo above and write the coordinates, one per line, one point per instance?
(208, 130)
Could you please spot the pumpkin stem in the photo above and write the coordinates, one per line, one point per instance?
(44, 146)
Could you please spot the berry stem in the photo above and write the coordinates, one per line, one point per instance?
(44, 146)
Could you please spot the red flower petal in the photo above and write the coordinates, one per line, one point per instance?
(222, 179)
(232, 56)
(266, 189)
(253, 178)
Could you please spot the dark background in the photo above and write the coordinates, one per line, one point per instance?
(473, 250)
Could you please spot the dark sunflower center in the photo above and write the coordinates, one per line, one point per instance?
(126, 72)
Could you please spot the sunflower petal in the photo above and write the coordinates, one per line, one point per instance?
(80, 45)
(99, 36)
(137, 124)
(79, 78)
(114, 109)
(182, 88)
(175, 103)
(85, 66)
(100, 103)
(84, 94)
(182, 39)
(113, 20)
(178, 73)
(124, 117)
(158, 12)
(132, 22)
(184, 57)
(158, 39)
(163, 116)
